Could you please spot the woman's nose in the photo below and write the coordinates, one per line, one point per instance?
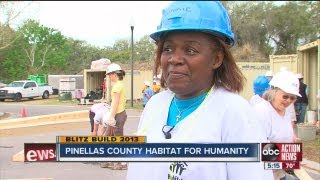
(176, 58)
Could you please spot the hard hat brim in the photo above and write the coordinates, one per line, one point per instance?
(162, 33)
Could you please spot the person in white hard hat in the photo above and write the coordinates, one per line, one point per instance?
(147, 94)
(274, 112)
(118, 115)
(156, 87)
(301, 103)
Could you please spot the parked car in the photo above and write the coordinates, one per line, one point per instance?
(2, 84)
(24, 89)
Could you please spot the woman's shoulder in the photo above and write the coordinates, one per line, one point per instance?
(263, 106)
(118, 84)
(223, 95)
(163, 95)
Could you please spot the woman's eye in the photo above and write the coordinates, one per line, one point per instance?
(166, 49)
(191, 51)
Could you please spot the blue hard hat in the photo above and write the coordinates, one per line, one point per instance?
(206, 16)
(260, 85)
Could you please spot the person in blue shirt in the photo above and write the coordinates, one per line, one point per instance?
(147, 93)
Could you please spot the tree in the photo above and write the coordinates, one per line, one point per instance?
(292, 24)
(145, 49)
(39, 50)
(45, 47)
(81, 55)
(121, 51)
(9, 13)
(14, 65)
(248, 20)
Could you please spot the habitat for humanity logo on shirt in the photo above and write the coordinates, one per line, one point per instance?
(176, 170)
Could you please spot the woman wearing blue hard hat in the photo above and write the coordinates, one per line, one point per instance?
(260, 85)
(201, 104)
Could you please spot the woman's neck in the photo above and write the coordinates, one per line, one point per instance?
(192, 95)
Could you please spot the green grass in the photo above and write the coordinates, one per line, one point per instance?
(136, 105)
(54, 100)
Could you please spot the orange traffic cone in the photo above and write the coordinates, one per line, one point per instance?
(23, 112)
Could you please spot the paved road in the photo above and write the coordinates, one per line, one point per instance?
(60, 171)
(15, 109)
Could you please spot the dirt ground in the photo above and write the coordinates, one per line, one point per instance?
(311, 149)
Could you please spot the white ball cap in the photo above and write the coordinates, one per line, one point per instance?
(113, 67)
(286, 81)
(147, 83)
(269, 74)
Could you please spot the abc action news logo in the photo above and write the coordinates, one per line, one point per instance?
(39, 152)
(281, 152)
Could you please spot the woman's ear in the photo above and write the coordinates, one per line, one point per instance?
(218, 59)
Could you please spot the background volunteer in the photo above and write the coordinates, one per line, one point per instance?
(260, 85)
(147, 93)
(96, 113)
(118, 115)
(274, 111)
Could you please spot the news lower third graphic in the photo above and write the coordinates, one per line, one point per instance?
(101, 139)
(40, 152)
(281, 155)
(135, 149)
(159, 152)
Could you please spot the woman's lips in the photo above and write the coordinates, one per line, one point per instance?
(176, 75)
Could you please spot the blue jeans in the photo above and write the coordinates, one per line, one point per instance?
(300, 111)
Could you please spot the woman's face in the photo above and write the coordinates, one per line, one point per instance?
(188, 61)
(112, 77)
(282, 100)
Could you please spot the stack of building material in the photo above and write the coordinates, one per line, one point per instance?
(100, 64)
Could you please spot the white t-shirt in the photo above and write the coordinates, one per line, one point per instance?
(98, 117)
(291, 112)
(95, 108)
(277, 128)
(223, 117)
(255, 99)
(99, 110)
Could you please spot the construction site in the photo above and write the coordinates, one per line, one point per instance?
(306, 61)
(237, 84)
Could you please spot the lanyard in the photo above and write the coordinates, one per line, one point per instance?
(151, 121)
